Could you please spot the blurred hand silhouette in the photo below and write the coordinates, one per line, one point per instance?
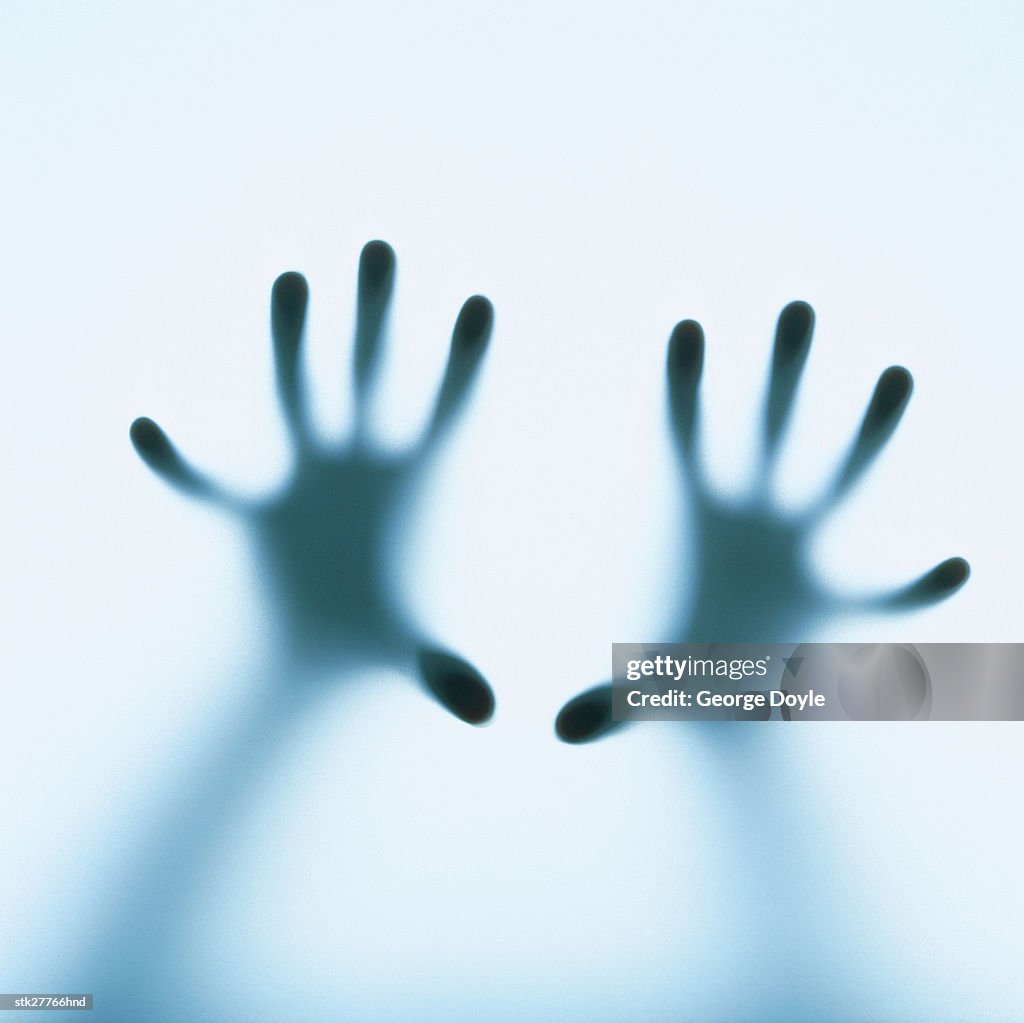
(752, 581)
(322, 541)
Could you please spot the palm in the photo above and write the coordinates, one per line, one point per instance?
(323, 544)
(323, 541)
(751, 571)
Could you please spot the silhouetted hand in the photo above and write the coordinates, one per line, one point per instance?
(752, 581)
(322, 542)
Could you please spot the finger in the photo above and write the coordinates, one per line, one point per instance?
(587, 717)
(470, 338)
(288, 300)
(376, 283)
(684, 365)
(941, 582)
(892, 392)
(457, 685)
(156, 450)
(793, 334)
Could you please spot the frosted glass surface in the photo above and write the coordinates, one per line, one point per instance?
(599, 172)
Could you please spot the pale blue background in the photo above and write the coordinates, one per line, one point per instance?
(599, 171)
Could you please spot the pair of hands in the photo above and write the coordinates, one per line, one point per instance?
(322, 539)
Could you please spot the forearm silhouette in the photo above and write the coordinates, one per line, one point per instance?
(806, 951)
(322, 542)
(322, 547)
(752, 581)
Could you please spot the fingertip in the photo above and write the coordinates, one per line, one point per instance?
(949, 574)
(937, 584)
(793, 332)
(686, 350)
(897, 379)
(587, 717)
(376, 264)
(475, 321)
(154, 447)
(893, 391)
(458, 686)
(147, 438)
(798, 313)
(290, 289)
